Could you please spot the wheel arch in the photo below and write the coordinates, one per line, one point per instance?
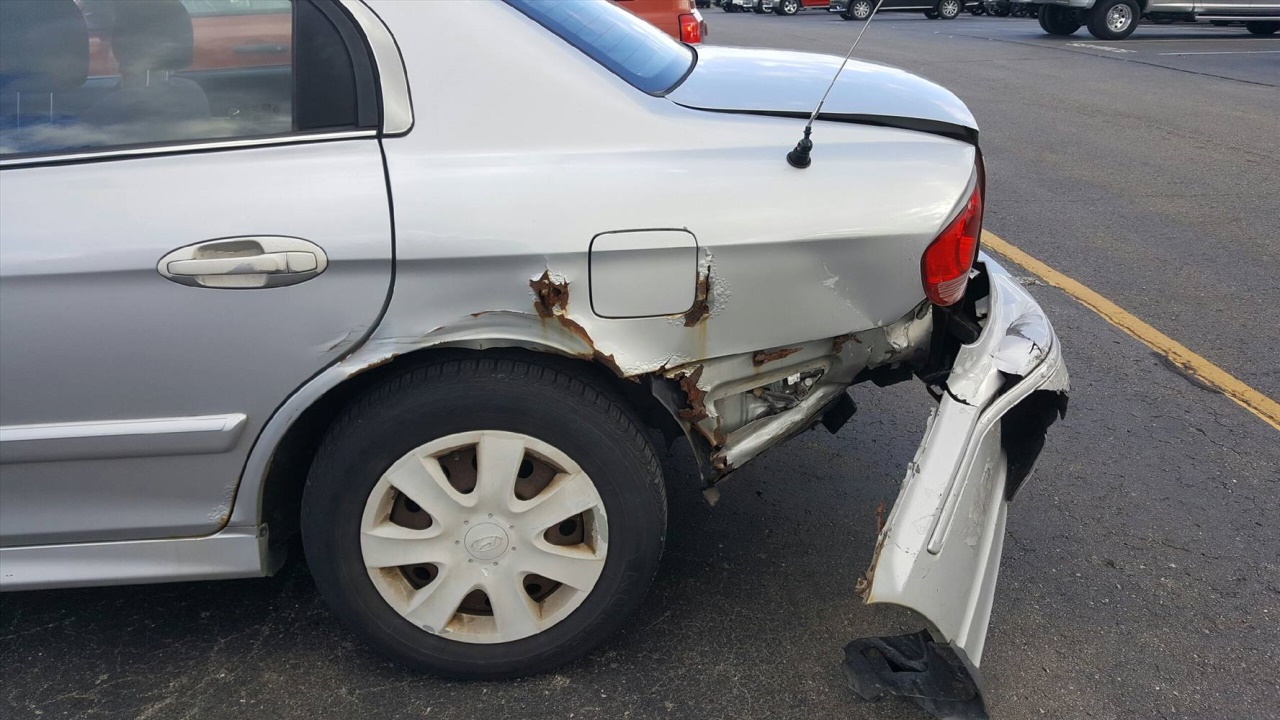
(270, 489)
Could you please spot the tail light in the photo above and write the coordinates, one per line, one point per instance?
(690, 29)
(944, 269)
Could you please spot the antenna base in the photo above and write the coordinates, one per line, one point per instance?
(799, 156)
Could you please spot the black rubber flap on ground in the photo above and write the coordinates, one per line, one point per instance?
(915, 666)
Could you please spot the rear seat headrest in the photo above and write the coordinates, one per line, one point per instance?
(44, 46)
(152, 35)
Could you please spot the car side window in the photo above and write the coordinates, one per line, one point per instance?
(87, 75)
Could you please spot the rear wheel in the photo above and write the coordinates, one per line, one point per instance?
(948, 9)
(787, 7)
(485, 517)
(1262, 28)
(1113, 19)
(758, 8)
(1058, 20)
(858, 10)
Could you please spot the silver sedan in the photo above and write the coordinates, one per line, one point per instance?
(426, 282)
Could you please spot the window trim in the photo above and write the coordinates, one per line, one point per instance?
(395, 105)
(193, 147)
(388, 65)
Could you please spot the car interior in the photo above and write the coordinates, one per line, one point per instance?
(121, 73)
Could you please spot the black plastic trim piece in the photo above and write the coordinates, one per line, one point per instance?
(933, 127)
(936, 676)
(1022, 434)
(368, 92)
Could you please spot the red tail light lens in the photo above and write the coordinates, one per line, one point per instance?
(945, 267)
(690, 29)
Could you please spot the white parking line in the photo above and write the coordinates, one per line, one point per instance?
(1108, 48)
(1224, 52)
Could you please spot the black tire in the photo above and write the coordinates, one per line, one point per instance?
(948, 9)
(546, 398)
(787, 7)
(931, 14)
(858, 10)
(1103, 19)
(1058, 20)
(758, 8)
(1262, 28)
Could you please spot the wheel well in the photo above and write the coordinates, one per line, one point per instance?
(291, 461)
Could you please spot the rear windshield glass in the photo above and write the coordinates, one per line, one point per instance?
(633, 49)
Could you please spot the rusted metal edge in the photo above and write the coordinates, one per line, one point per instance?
(701, 307)
(863, 586)
(762, 357)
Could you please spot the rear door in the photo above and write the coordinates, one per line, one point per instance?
(195, 221)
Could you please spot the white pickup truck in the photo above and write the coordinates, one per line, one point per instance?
(1117, 19)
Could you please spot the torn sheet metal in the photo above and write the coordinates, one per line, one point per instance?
(939, 553)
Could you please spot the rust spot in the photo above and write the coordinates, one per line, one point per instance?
(863, 586)
(573, 327)
(700, 309)
(380, 362)
(838, 342)
(696, 396)
(721, 465)
(551, 298)
(602, 358)
(760, 357)
(612, 364)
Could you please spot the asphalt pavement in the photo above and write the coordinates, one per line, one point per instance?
(1140, 577)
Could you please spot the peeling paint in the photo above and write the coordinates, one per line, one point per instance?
(550, 294)
(695, 395)
(838, 342)
(700, 309)
(863, 587)
(762, 357)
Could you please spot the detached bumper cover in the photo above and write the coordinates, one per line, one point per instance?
(939, 551)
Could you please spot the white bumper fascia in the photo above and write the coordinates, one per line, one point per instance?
(939, 551)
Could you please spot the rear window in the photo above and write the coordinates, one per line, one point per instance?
(631, 48)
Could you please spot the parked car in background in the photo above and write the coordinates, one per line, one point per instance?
(361, 311)
(932, 9)
(678, 18)
(779, 7)
(1117, 19)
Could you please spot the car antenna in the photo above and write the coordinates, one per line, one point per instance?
(799, 155)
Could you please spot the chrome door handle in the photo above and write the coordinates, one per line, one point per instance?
(244, 262)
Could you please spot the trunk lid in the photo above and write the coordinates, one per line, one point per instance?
(787, 83)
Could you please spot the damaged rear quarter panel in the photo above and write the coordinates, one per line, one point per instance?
(490, 199)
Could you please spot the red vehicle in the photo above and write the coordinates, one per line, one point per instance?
(678, 18)
(228, 34)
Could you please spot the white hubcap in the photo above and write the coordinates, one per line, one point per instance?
(484, 537)
(861, 11)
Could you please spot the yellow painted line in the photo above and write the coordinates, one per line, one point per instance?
(1177, 353)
